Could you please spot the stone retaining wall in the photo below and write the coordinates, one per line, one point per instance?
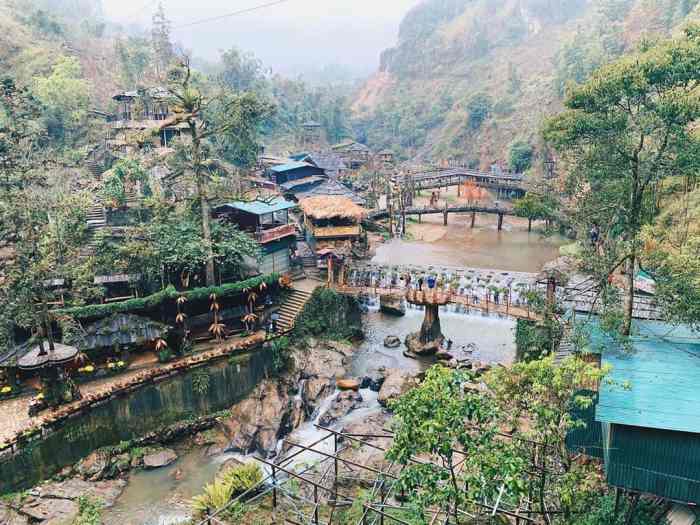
(133, 412)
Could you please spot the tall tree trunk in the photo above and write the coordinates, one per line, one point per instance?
(529, 225)
(206, 230)
(203, 202)
(626, 327)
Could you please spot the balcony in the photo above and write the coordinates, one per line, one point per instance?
(276, 233)
(325, 232)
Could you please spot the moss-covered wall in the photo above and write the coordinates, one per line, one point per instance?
(145, 410)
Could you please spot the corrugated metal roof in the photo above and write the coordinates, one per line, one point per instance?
(259, 207)
(654, 380)
(290, 166)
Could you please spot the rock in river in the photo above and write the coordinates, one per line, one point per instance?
(348, 384)
(397, 383)
(159, 459)
(343, 404)
(392, 304)
(392, 341)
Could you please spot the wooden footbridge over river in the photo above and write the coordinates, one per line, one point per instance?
(499, 211)
(510, 185)
(498, 292)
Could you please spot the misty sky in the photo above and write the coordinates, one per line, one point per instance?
(296, 35)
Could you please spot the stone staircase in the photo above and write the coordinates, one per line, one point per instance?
(93, 167)
(291, 308)
(96, 223)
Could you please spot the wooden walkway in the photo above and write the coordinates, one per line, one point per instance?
(442, 178)
(445, 211)
(482, 304)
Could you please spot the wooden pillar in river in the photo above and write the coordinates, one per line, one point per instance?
(473, 218)
(444, 217)
(420, 218)
(500, 222)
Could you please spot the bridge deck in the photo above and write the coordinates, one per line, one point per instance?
(493, 210)
(483, 304)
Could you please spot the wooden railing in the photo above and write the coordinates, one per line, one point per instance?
(273, 234)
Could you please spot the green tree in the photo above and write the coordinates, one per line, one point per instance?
(479, 109)
(520, 156)
(457, 428)
(539, 399)
(163, 53)
(65, 95)
(224, 119)
(623, 132)
(672, 253)
(533, 207)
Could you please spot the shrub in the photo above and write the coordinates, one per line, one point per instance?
(331, 315)
(242, 477)
(89, 511)
(227, 486)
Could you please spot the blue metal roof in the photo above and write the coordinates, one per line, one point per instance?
(260, 207)
(654, 380)
(290, 166)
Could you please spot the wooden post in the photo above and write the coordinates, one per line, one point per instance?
(274, 488)
(473, 218)
(500, 222)
(315, 504)
(420, 218)
(444, 217)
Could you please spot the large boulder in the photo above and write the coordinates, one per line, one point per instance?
(256, 423)
(422, 348)
(9, 516)
(51, 511)
(95, 466)
(342, 405)
(106, 491)
(160, 458)
(396, 383)
(392, 304)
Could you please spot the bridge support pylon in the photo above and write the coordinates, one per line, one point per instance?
(500, 222)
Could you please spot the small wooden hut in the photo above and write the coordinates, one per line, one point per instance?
(332, 221)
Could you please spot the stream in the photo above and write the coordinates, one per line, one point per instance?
(161, 496)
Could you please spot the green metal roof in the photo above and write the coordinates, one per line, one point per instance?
(290, 166)
(654, 380)
(260, 207)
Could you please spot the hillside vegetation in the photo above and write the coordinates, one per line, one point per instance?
(469, 78)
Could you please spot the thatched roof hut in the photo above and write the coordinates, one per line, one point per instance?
(121, 329)
(324, 207)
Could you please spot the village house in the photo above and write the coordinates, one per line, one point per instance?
(354, 154)
(267, 221)
(143, 118)
(645, 426)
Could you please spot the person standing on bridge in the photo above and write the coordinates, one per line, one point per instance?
(431, 282)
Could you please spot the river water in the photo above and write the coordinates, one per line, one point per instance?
(458, 245)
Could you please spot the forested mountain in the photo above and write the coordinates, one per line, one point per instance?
(469, 78)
